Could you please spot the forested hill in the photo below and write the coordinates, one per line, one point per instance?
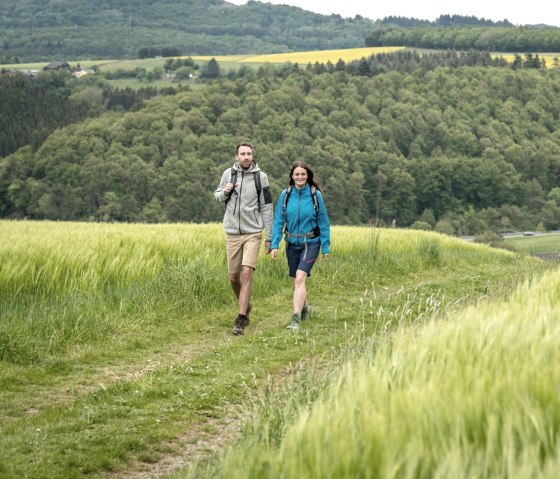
(78, 29)
(462, 150)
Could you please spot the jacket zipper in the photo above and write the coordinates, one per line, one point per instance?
(240, 191)
(298, 215)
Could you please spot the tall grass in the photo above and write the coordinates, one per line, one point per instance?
(69, 284)
(475, 395)
(49, 259)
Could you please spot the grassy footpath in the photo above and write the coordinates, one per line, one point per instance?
(115, 342)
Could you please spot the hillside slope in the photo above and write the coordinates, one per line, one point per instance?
(117, 28)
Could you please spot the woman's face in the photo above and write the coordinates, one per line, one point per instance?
(299, 176)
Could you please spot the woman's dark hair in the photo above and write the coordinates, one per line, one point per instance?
(310, 180)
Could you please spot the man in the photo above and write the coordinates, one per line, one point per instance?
(245, 190)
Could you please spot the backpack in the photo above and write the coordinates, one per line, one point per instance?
(256, 177)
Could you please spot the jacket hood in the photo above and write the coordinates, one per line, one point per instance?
(254, 167)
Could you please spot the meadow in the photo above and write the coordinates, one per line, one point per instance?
(548, 244)
(117, 358)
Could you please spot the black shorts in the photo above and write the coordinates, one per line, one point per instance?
(302, 257)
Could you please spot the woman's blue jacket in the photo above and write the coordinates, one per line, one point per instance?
(300, 218)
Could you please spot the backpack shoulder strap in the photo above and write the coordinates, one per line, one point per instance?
(257, 177)
(315, 202)
(233, 179)
(288, 190)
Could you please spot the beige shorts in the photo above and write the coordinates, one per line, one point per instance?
(242, 250)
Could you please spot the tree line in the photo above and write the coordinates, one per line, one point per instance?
(461, 149)
(443, 21)
(496, 39)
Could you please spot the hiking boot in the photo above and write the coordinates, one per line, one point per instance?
(305, 313)
(240, 322)
(294, 323)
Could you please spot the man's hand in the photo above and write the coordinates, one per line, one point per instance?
(266, 247)
(273, 253)
(228, 188)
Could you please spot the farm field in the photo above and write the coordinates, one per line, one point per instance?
(544, 244)
(228, 60)
(233, 62)
(117, 359)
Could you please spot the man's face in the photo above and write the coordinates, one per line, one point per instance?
(245, 157)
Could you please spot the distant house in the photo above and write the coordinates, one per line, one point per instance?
(10, 73)
(80, 72)
(56, 66)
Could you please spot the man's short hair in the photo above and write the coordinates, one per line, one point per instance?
(244, 143)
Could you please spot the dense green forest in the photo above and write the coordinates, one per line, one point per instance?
(84, 29)
(461, 149)
(34, 107)
(31, 109)
(497, 39)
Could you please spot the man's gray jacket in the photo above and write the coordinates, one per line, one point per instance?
(242, 213)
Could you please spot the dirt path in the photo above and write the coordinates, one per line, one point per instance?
(206, 438)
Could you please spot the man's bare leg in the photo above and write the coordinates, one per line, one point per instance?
(242, 285)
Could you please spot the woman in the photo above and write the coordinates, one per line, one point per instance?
(301, 214)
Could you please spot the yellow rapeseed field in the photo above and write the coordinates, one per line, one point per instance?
(321, 56)
(347, 55)
(552, 59)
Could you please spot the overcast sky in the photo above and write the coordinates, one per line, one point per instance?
(517, 12)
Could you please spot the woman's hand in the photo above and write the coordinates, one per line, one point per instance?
(325, 255)
(273, 253)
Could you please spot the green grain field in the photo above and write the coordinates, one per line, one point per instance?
(117, 358)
